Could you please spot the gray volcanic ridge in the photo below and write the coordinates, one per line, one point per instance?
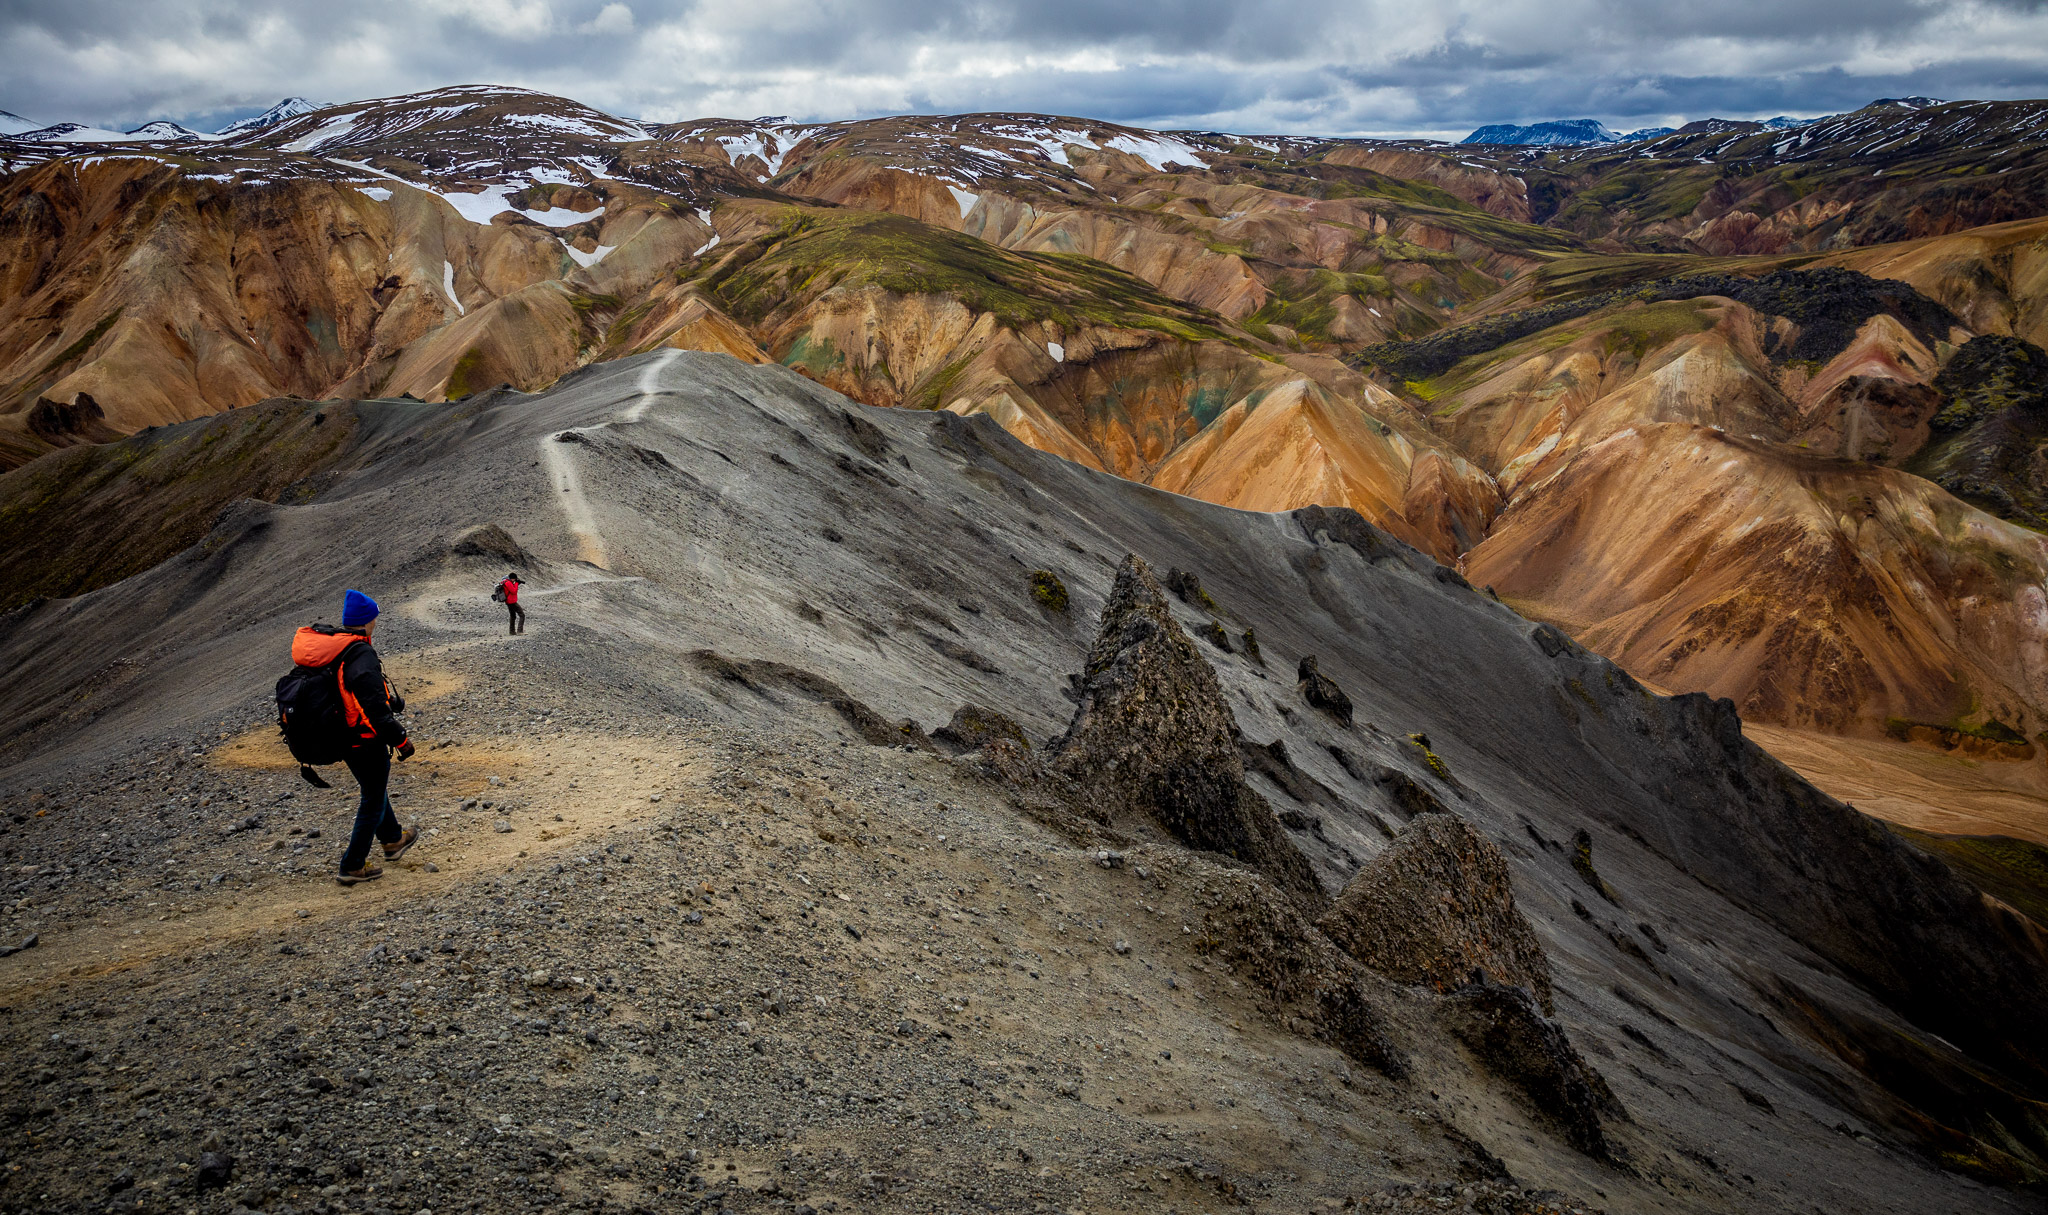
(881, 814)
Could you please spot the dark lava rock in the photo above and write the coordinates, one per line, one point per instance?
(1186, 586)
(1988, 444)
(878, 730)
(1582, 864)
(1322, 691)
(1436, 903)
(215, 1168)
(1152, 734)
(491, 541)
(1502, 1025)
(974, 727)
(1410, 798)
(1261, 937)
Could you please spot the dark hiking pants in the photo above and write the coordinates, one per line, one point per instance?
(518, 614)
(371, 766)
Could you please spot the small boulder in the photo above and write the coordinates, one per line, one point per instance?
(214, 1171)
(974, 727)
(1186, 586)
(1322, 692)
(878, 730)
(1435, 904)
(494, 542)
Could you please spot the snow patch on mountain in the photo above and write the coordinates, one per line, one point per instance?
(335, 129)
(965, 199)
(290, 107)
(15, 124)
(614, 129)
(165, 130)
(1159, 151)
(488, 203)
(587, 260)
(73, 132)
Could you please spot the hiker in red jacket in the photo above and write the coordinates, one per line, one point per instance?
(508, 593)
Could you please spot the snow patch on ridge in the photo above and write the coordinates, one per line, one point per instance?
(965, 199)
(335, 128)
(488, 203)
(448, 286)
(1159, 150)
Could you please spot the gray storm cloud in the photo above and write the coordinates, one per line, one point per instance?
(1321, 66)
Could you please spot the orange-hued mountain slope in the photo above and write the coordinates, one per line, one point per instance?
(1494, 353)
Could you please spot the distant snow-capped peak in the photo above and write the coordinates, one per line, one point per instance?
(290, 107)
(163, 128)
(1567, 131)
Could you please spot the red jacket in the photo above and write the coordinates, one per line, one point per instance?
(511, 590)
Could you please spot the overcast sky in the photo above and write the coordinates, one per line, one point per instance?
(1308, 66)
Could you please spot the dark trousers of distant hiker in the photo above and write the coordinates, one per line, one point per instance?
(371, 766)
(518, 617)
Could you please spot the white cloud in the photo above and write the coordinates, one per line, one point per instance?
(1322, 66)
(611, 19)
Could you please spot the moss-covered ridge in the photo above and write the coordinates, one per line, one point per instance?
(86, 517)
(815, 250)
(1989, 441)
(1828, 305)
(2013, 871)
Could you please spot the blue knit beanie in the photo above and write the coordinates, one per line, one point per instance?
(357, 610)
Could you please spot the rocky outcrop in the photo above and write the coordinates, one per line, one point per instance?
(974, 727)
(490, 540)
(1262, 938)
(1322, 692)
(1152, 736)
(1504, 1028)
(1437, 903)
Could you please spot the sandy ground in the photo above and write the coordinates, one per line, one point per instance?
(1919, 787)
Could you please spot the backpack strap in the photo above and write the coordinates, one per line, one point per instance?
(352, 714)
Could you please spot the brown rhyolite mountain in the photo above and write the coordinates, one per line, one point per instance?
(1716, 491)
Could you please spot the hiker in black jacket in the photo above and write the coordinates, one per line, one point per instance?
(370, 714)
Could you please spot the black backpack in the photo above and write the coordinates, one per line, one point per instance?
(309, 714)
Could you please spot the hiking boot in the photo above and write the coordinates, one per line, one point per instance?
(368, 873)
(393, 851)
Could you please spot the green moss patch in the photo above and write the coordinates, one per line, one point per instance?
(79, 347)
(1048, 590)
(815, 252)
(2014, 871)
